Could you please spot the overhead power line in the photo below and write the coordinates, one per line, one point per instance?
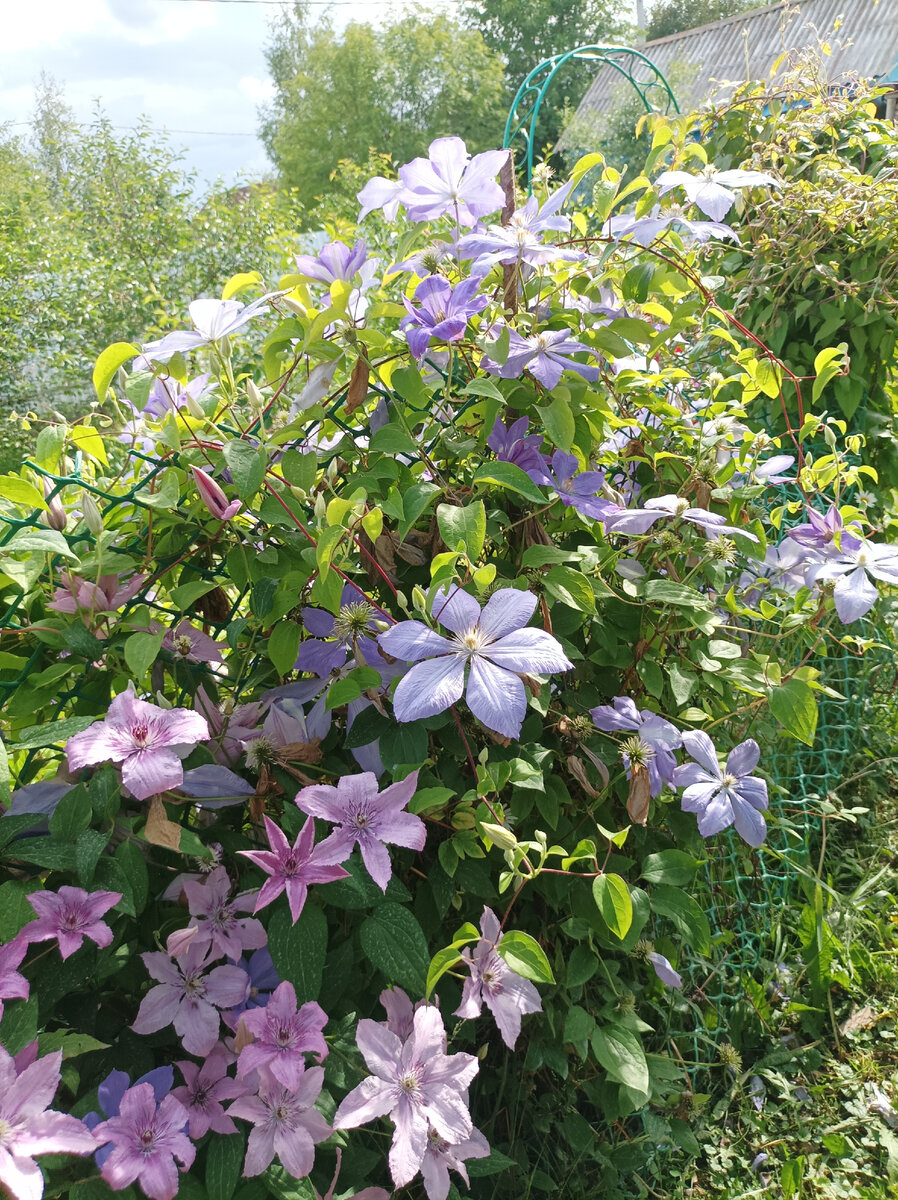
(155, 128)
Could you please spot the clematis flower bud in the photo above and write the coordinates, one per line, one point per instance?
(55, 516)
(256, 399)
(213, 497)
(193, 407)
(93, 518)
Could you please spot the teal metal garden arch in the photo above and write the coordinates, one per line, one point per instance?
(640, 72)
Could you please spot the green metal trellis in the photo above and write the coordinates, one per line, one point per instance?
(640, 72)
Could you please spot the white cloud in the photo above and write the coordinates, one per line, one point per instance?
(259, 91)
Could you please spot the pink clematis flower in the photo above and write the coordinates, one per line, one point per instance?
(440, 1156)
(213, 497)
(285, 1123)
(13, 986)
(365, 817)
(204, 1089)
(148, 741)
(70, 915)
(214, 915)
(189, 996)
(507, 995)
(28, 1126)
(187, 642)
(108, 594)
(291, 867)
(147, 1138)
(282, 1036)
(414, 1082)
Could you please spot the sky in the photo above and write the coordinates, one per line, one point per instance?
(195, 65)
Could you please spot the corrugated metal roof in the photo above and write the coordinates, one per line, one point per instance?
(697, 61)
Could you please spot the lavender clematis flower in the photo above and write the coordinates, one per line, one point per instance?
(285, 1124)
(189, 996)
(545, 355)
(147, 1138)
(711, 189)
(520, 241)
(852, 566)
(205, 1087)
(187, 642)
(381, 192)
(721, 798)
(70, 915)
(13, 985)
(578, 489)
(644, 230)
(367, 817)
(414, 1082)
(29, 1126)
(335, 261)
(400, 1011)
(822, 529)
(167, 395)
(665, 972)
(493, 642)
(440, 1156)
(513, 444)
(148, 741)
(214, 913)
(451, 183)
(212, 321)
(282, 1036)
(335, 637)
(506, 993)
(640, 520)
(292, 868)
(658, 735)
(442, 312)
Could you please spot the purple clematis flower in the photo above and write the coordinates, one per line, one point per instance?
(282, 1037)
(13, 985)
(189, 996)
(215, 916)
(644, 230)
(28, 1126)
(442, 312)
(513, 444)
(148, 741)
(665, 972)
(335, 637)
(440, 1156)
(417, 1084)
(263, 979)
(506, 993)
(212, 321)
(852, 566)
(658, 735)
(43, 797)
(520, 241)
(365, 817)
(451, 183)
(711, 189)
(493, 642)
(721, 798)
(822, 529)
(112, 1090)
(285, 1123)
(108, 594)
(545, 355)
(187, 642)
(205, 1087)
(70, 915)
(214, 786)
(167, 395)
(147, 1138)
(292, 868)
(578, 489)
(335, 261)
(640, 520)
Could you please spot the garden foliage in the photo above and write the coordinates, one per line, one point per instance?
(379, 683)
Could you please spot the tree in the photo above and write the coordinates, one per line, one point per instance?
(673, 16)
(340, 95)
(525, 32)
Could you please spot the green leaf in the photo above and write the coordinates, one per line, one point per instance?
(612, 897)
(441, 962)
(791, 1177)
(670, 866)
(141, 650)
(52, 733)
(40, 541)
(21, 492)
(394, 944)
(283, 645)
(359, 890)
(620, 1051)
(167, 495)
(299, 469)
(665, 591)
(795, 708)
(50, 442)
(466, 525)
(187, 594)
(19, 1024)
(571, 588)
(632, 329)
(247, 466)
(414, 502)
(392, 439)
(130, 858)
(525, 955)
(224, 1163)
(495, 1162)
(368, 726)
(89, 845)
(69, 1042)
(15, 911)
(511, 477)
(685, 913)
(581, 966)
(558, 422)
(578, 1025)
(298, 951)
(72, 815)
(108, 363)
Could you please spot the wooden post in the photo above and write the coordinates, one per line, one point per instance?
(509, 272)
